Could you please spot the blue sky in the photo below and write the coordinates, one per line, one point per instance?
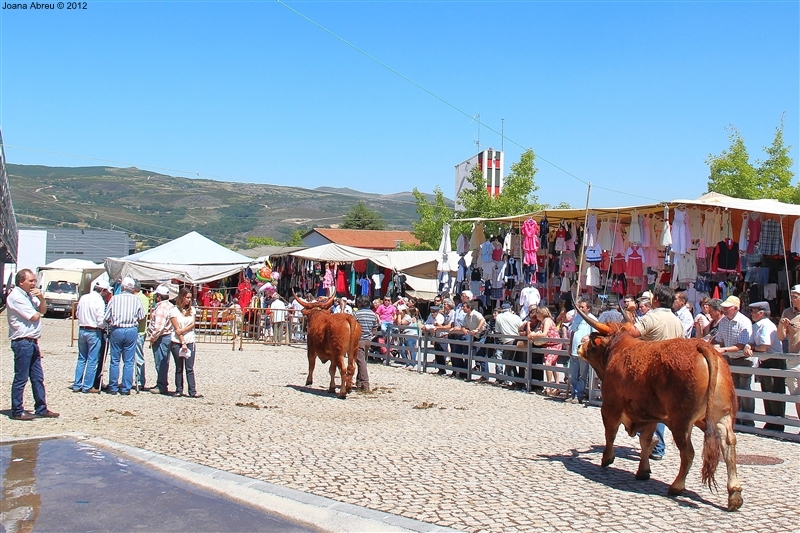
(630, 96)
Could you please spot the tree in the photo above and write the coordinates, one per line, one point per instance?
(732, 174)
(362, 217)
(432, 217)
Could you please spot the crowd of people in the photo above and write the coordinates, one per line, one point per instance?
(128, 320)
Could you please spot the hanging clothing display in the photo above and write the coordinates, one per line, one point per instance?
(770, 240)
(591, 231)
(635, 230)
(604, 235)
(681, 240)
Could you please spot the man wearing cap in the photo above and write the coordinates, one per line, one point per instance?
(789, 330)
(735, 331)
(459, 332)
(90, 312)
(25, 306)
(159, 331)
(611, 314)
(765, 339)
(369, 322)
(657, 324)
(141, 333)
(123, 313)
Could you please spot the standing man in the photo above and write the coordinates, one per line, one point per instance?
(25, 306)
(658, 324)
(159, 331)
(735, 331)
(789, 330)
(458, 332)
(442, 330)
(141, 333)
(365, 316)
(529, 296)
(506, 325)
(578, 368)
(91, 310)
(765, 339)
(611, 314)
(683, 314)
(123, 314)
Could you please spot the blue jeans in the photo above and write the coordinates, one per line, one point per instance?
(161, 361)
(27, 365)
(410, 342)
(140, 359)
(123, 344)
(660, 447)
(89, 344)
(578, 376)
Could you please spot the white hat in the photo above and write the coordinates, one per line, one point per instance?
(103, 284)
(796, 289)
(764, 306)
(731, 301)
(127, 283)
(163, 290)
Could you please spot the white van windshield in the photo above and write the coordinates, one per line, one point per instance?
(62, 287)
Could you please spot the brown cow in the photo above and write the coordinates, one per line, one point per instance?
(680, 382)
(331, 337)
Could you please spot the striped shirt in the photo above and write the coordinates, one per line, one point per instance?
(124, 311)
(369, 322)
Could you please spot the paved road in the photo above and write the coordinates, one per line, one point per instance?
(463, 455)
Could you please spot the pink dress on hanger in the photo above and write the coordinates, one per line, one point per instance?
(530, 241)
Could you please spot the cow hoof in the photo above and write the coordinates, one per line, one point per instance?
(308, 383)
(672, 491)
(332, 390)
(735, 500)
(643, 475)
(606, 462)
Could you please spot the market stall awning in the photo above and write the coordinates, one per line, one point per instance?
(191, 259)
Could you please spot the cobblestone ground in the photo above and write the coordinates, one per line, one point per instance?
(465, 455)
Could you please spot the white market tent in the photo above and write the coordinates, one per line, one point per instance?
(88, 267)
(191, 259)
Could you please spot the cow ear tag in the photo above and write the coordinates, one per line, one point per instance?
(598, 341)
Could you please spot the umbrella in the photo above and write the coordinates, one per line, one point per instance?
(445, 247)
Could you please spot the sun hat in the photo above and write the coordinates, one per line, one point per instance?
(732, 301)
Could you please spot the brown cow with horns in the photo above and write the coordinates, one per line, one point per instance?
(680, 382)
(331, 337)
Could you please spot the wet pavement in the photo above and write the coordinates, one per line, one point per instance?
(68, 485)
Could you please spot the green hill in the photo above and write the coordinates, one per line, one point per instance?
(154, 207)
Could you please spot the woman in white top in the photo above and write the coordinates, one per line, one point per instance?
(182, 347)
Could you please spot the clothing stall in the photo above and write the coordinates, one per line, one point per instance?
(714, 245)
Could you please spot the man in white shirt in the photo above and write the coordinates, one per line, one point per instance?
(278, 317)
(765, 340)
(683, 313)
(91, 311)
(25, 306)
(507, 326)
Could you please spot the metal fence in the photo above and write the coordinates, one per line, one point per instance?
(495, 357)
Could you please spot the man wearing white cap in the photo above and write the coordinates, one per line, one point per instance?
(765, 340)
(123, 314)
(90, 312)
(789, 329)
(734, 333)
(159, 331)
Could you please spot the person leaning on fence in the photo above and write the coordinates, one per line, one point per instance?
(735, 331)
(578, 368)
(459, 333)
(546, 328)
(442, 330)
(159, 333)
(278, 317)
(789, 331)
(474, 324)
(365, 316)
(141, 334)
(765, 340)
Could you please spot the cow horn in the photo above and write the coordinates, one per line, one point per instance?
(601, 328)
(304, 303)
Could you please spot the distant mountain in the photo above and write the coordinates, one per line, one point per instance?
(154, 207)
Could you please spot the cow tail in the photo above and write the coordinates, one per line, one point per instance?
(712, 445)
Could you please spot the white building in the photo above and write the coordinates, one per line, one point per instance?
(491, 162)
